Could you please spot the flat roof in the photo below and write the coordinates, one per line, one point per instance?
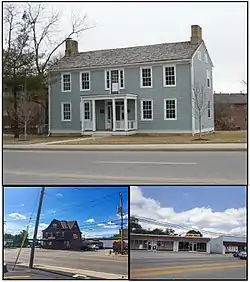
(168, 237)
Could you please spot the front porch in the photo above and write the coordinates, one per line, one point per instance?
(109, 114)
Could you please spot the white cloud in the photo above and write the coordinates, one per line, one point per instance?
(101, 233)
(125, 216)
(16, 227)
(59, 195)
(230, 221)
(100, 224)
(17, 215)
(90, 220)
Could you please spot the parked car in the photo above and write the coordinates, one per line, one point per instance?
(243, 255)
(5, 268)
(236, 254)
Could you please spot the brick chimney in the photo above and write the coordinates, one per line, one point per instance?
(196, 34)
(71, 47)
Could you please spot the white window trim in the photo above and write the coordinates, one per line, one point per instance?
(62, 112)
(62, 74)
(164, 77)
(105, 80)
(90, 103)
(209, 77)
(205, 58)
(80, 79)
(170, 99)
(141, 81)
(123, 79)
(119, 77)
(152, 102)
(199, 55)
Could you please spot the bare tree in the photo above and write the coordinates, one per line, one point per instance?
(200, 104)
(17, 56)
(223, 116)
(45, 35)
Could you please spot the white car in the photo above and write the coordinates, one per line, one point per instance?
(243, 255)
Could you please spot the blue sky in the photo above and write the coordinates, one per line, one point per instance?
(93, 207)
(211, 209)
(183, 198)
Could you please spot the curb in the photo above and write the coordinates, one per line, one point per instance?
(128, 149)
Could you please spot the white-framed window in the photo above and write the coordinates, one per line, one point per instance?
(85, 81)
(54, 225)
(66, 111)
(146, 77)
(147, 109)
(205, 58)
(66, 82)
(208, 78)
(199, 55)
(121, 77)
(169, 75)
(209, 114)
(87, 110)
(170, 109)
(114, 76)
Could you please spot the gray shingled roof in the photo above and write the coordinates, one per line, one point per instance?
(130, 55)
(234, 98)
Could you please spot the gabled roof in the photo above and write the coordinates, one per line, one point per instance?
(234, 98)
(129, 55)
(64, 224)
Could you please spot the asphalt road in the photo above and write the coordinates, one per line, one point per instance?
(90, 261)
(166, 265)
(65, 167)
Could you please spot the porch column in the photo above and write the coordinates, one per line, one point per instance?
(93, 116)
(136, 118)
(125, 114)
(82, 113)
(114, 113)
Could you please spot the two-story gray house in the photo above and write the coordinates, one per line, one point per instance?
(142, 89)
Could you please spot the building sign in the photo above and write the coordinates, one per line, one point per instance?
(75, 236)
(193, 235)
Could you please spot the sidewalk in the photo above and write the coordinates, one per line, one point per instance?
(142, 147)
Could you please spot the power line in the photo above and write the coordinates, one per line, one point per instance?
(168, 224)
(86, 203)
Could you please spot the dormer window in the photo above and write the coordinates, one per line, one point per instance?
(54, 225)
(199, 55)
(205, 58)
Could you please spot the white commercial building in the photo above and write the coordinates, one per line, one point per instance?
(227, 244)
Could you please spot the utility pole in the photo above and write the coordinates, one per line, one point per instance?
(121, 214)
(32, 253)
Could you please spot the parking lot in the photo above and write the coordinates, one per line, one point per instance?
(97, 264)
(185, 265)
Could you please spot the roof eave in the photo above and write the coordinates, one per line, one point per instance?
(121, 66)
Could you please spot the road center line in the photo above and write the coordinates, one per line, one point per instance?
(176, 271)
(185, 266)
(146, 163)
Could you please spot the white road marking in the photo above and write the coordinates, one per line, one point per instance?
(136, 162)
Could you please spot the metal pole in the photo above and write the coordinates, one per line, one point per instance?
(32, 253)
(121, 213)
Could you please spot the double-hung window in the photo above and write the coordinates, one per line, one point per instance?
(85, 81)
(208, 78)
(169, 76)
(147, 109)
(209, 115)
(170, 109)
(146, 77)
(114, 77)
(66, 111)
(66, 82)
